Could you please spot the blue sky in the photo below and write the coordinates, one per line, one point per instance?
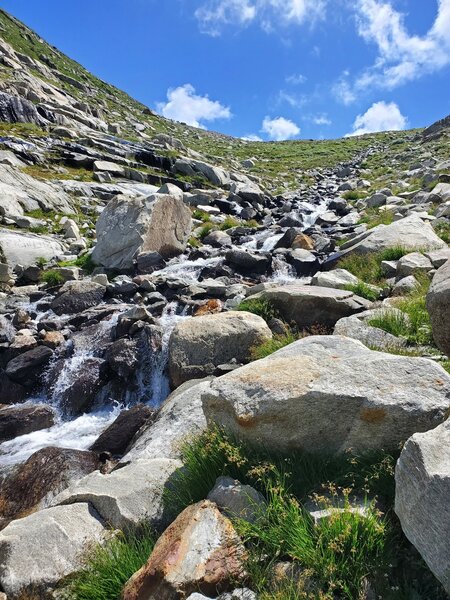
(273, 69)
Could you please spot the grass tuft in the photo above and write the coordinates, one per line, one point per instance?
(363, 290)
(270, 346)
(261, 307)
(367, 267)
(52, 278)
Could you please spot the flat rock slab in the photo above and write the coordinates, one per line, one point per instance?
(329, 394)
(26, 248)
(128, 495)
(307, 305)
(39, 550)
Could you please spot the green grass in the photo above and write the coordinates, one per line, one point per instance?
(443, 231)
(52, 278)
(206, 229)
(201, 215)
(354, 194)
(85, 262)
(414, 323)
(367, 267)
(107, 568)
(374, 217)
(271, 346)
(261, 307)
(336, 556)
(363, 290)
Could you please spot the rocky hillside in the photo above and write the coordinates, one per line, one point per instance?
(234, 355)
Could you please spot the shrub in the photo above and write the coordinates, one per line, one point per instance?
(107, 568)
(261, 307)
(52, 278)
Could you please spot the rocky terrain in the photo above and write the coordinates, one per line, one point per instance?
(224, 364)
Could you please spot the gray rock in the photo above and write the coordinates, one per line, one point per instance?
(217, 239)
(26, 248)
(338, 279)
(130, 226)
(329, 394)
(309, 305)
(38, 551)
(112, 168)
(15, 109)
(438, 306)
(197, 346)
(405, 286)
(179, 418)
(128, 495)
(357, 328)
(413, 263)
(249, 263)
(76, 296)
(237, 500)
(438, 257)
(29, 366)
(422, 491)
(24, 418)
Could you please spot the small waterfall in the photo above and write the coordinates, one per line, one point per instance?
(315, 210)
(187, 269)
(282, 272)
(159, 380)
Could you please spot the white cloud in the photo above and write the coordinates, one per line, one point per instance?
(291, 99)
(183, 104)
(279, 129)
(402, 57)
(251, 137)
(381, 116)
(321, 120)
(342, 90)
(213, 15)
(296, 79)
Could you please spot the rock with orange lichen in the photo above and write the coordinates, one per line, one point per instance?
(200, 551)
(329, 394)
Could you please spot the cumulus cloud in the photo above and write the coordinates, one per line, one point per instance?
(321, 120)
(402, 57)
(381, 116)
(183, 104)
(296, 79)
(213, 15)
(279, 128)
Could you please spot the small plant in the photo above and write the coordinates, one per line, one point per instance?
(270, 346)
(194, 242)
(363, 290)
(353, 194)
(374, 217)
(206, 229)
(392, 322)
(52, 278)
(41, 261)
(108, 567)
(201, 215)
(229, 223)
(261, 307)
(443, 231)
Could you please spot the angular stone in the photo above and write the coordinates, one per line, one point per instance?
(26, 248)
(413, 263)
(76, 296)
(329, 394)
(236, 500)
(199, 551)
(127, 495)
(25, 418)
(197, 346)
(38, 551)
(337, 278)
(422, 491)
(29, 366)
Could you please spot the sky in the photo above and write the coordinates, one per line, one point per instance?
(263, 69)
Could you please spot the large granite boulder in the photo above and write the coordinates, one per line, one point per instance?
(26, 248)
(129, 226)
(199, 551)
(422, 493)
(23, 419)
(438, 305)
(198, 346)
(27, 368)
(410, 232)
(127, 495)
(36, 552)
(329, 394)
(307, 305)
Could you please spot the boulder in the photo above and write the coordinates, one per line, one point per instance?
(410, 232)
(26, 248)
(129, 226)
(79, 396)
(307, 305)
(422, 492)
(248, 263)
(25, 418)
(329, 394)
(200, 551)
(127, 495)
(338, 279)
(199, 345)
(413, 263)
(438, 306)
(16, 109)
(28, 367)
(36, 552)
(33, 484)
(104, 166)
(116, 438)
(76, 296)
(236, 500)
(180, 417)
(358, 328)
